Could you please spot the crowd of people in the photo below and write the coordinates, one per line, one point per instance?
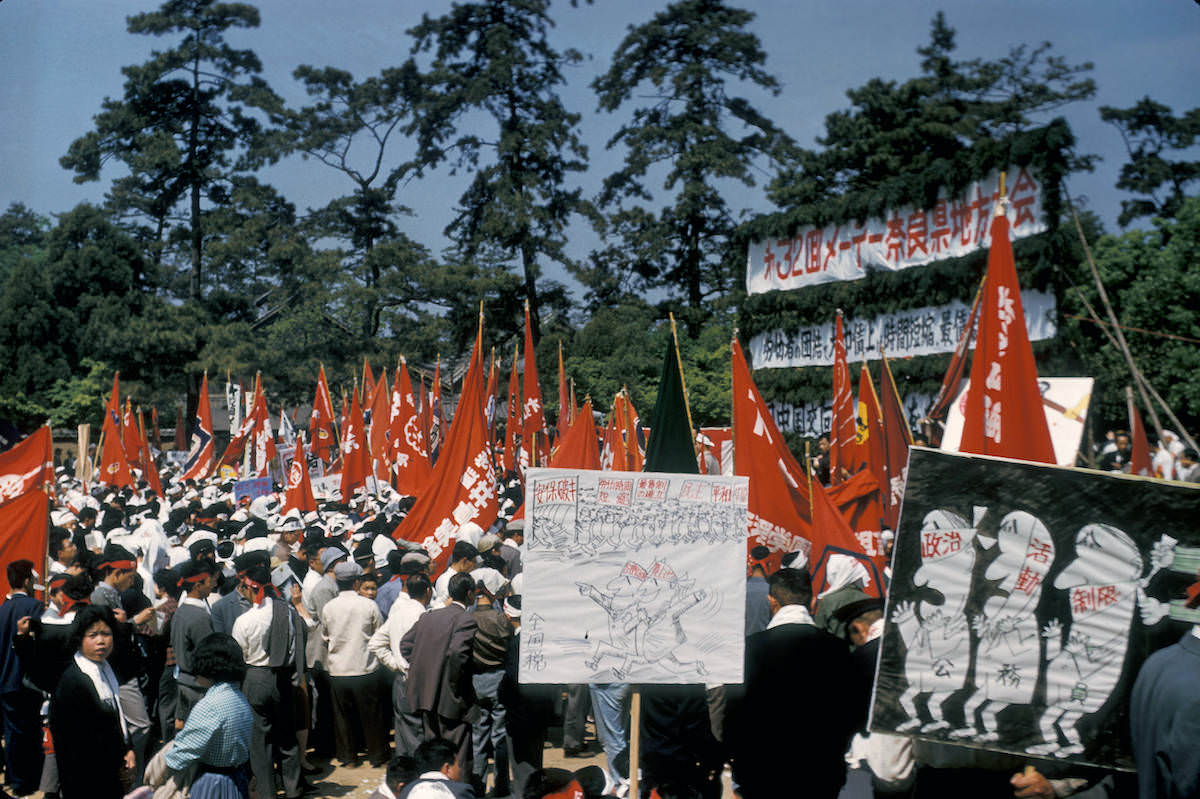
(196, 643)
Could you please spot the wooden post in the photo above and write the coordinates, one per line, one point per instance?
(635, 740)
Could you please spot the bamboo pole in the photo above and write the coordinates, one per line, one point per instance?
(635, 740)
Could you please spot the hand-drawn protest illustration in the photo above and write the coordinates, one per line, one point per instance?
(636, 577)
(935, 630)
(1009, 652)
(1022, 630)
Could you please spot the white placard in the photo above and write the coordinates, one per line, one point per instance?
(1065, 400)
(904, 238)
(902, 334)
(633, 577)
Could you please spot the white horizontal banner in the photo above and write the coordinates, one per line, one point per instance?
(903, 334)
(904, 238)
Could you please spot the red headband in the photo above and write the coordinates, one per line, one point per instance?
(69, 603)
(195, 578)
(1193, 596)
(119, 564)
(260, 590)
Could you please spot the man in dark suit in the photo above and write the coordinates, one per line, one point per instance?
(793, 721)
(21, 705)
(438, 649)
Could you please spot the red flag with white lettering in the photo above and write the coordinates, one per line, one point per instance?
(130, 439)
(320, 425)
(1004, 414)
(299, 487)
(25, 521)
(356, 463)
(831, 535)
(462, 487)
(381, 417)
(28, 466)
(843, 452)
(264, 438)
(114, 467)
(535, 447)
(777, 505)
(409, 459)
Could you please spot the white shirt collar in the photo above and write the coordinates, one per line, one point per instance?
(433, 775)
(791, 614)
(1196, 630)
(193, 601)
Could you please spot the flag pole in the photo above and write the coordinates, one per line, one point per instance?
(635, 739)
(687, 406)
(808, 474)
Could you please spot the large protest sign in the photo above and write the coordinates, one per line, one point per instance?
(1024, 600)
(1065, 401)
(633, 578)
(902, 239)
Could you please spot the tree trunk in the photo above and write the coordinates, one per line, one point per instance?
(194, 176)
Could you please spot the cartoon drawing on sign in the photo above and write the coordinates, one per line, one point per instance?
(1006, 667)
(1083, 670)
(639, 603)
(935, 632)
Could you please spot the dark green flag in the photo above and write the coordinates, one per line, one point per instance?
(672, 445)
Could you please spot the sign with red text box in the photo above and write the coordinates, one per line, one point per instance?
(633, 577)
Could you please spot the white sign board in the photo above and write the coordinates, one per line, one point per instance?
(901, 334)
(633, 577)
(1065, 400)
(903, 238)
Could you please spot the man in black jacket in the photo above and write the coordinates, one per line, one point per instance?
(799, 707)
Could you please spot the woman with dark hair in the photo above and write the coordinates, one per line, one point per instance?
(91, 736)
(216, 736)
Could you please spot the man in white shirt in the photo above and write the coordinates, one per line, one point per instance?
(462, 559)
(350, 619)
(385, 645)
(271, 635)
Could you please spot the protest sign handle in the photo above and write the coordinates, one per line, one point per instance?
(635, 739)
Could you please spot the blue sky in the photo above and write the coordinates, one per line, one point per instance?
(60, 58)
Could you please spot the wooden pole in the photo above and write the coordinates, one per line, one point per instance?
(635, 740)
(1112, 317)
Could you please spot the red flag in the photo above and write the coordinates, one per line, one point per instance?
(831, 535)
(462, 487)
(564, 398)
(264, 438)
(437, 418)
(356, 464)
(114, 468)
(897, 438)
(577, 448)
(842, 450)
(26, 467)
(299, 486)
(868, 517)
(958, 364)
(320, 426)
(180, 425)
(130, 439)
(25, 521)
(718, 442)
(535, 449)
(146, 460)
(512, 422)
(777, 506)
(634, 453)
(1140, 462)
(201, 449)
(381, 413)
(368, 383)
(489, 398)
(409, 459)
(1004, 414)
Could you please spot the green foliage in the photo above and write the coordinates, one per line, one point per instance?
(694, 134)
(22, 235)
(180, 127)
(80, 399)
(1152, 278)
(1150, 130)
(493, 59)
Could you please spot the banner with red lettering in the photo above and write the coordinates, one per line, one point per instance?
(902, 239)
(27, 466)
(1024, 599)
